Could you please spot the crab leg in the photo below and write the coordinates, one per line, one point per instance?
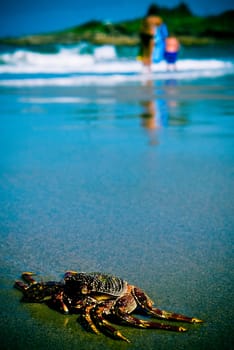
(86, 315)
(63, 307)
(27, 277)
(127, 304)
(146, 303)
(173, 316)
(106, 326)
(21, 286)
(136, 322)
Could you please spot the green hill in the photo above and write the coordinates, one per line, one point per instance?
(190, 29)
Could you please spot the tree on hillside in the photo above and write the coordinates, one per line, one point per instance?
(182, 9)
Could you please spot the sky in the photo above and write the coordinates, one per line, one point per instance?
(25, 17)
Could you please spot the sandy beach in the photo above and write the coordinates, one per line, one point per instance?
(133, 179)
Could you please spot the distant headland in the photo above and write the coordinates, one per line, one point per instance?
(190, 29)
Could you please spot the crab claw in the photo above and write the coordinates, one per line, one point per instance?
(20, 285)
(27, 276)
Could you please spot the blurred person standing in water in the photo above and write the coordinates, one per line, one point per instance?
(147, 35)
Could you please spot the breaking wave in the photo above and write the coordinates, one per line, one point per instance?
(85, 64)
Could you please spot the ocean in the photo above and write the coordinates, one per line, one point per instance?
(85, 64)
(104, 167)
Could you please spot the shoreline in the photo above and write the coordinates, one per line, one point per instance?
(101, 39)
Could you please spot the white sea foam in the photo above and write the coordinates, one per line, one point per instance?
(79, 65)
(44, 100)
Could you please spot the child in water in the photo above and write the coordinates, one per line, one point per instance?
(172, 47)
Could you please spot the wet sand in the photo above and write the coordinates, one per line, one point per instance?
(105, 185)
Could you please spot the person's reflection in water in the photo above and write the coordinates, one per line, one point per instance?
(148, 115)
(175, 108)
(172, 91)
(154, 114)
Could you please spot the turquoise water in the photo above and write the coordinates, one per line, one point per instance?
(134, 179)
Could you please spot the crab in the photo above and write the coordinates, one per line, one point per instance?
(100, 299)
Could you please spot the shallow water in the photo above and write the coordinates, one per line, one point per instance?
(132, 179)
